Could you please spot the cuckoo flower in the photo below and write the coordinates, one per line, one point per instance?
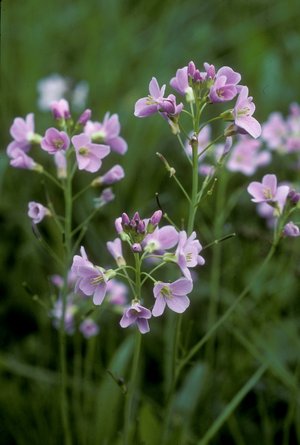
(136, 314)
(89, 328)
(274, 131)
(180, 83)
(242, 114)
(61, 164)
(89, 155)
(117, 292)
(55, 141)
(156, 102)
(107, 132)
(91, 280)
(221, 91)
(37, 212)
(161, 239)
(60, 109)
(174, 295)
(51, 88)
(187, 253)
(115, 249)
(290, 229)
(22, 131)
(267, 191)
(19, 159)
(115, 174)
(245, 156)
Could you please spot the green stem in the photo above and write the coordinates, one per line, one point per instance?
(62, 349)
(129, 406)
(193, 201)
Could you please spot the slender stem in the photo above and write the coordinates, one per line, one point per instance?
(193, 201)
(226, 315)
(181, 188)
(68, 253)
(54, 180)
(129, 406)
(151, 272)
(210, 144)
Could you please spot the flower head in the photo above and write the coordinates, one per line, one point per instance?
(91, 280)
(267, 191)
(19, 159)
(245, 156)
(89, 328)
(156, 102)
(37, 212)
(115, 249)
(173, 295)
(136, 314)
(242, 114)
(187, 253)
(22, 131)
(60, 109)
(89, 155)
(107, 132)
(55, 141)
(290, 229)
(115, 174)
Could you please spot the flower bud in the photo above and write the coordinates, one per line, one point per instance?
(136, 247)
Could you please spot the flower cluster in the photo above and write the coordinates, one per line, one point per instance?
(283, 135)
(81, 145)
(202, 87)
(77, 306)
(150, 245)
(276, 203)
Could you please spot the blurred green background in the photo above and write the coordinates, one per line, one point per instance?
(117, 46)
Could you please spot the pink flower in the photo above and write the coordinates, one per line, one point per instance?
(173, 295)
(19, 159)
(89, 328)
(115, 249)
(180, 83)
(161, 239)
(117, 292)
(90, 279)
(61, 164)
(242, 113)
(136, 314)
(89, 155)
(55, 141)
(267, 191)
(107, 132)
(274, 130)
(245, 156)
(290, 229)
(225, 85)
(156, 102)
(37, 212)
(115, 174)
(22, 131)
(187, 253)
(60, 109)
